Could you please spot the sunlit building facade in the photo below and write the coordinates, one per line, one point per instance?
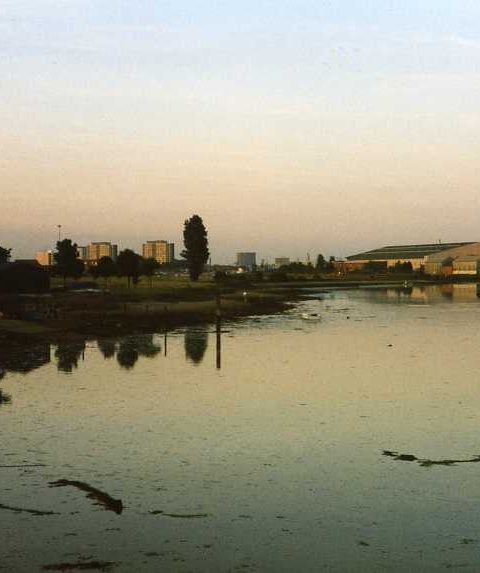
(162, 251)
(44, 258)
(95, 251)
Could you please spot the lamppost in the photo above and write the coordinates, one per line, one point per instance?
(59, 227)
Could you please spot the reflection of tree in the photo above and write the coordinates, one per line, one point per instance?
(106, 347)
(132, 347)
(146, 346)
(24, 360)
(196, 342)
(68, 355)
(4, 397)
(127, 354)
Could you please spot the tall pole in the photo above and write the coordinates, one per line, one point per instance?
(59, 232)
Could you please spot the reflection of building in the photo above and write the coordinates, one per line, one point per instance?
(430, 257)
(162, 251)
(95, 251)
(428, 293)
(247, 260)
(44, 258)
(281, 262)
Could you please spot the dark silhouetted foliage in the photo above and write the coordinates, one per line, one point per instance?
(106, 268)
(128, 263)
(4, 255)
(401, 268)
(67, 263)
(196, 251)
(68, 355)
(321, 263)
(196, 342)
(148, 268)
(22, 278)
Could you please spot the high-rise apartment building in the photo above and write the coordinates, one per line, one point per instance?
(95, 251)
(247, 260)
(162, 251)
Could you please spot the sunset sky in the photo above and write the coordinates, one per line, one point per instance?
(294, 126)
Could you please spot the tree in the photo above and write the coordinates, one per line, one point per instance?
(321, 263)
(196, 246)
(4, 255)
(106, 268)
(67, 263)
(148, 268)
(128, 263)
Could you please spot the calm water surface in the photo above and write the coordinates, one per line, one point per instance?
(274, 462)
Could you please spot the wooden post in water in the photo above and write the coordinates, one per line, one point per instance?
(166, 332)
(218, 315)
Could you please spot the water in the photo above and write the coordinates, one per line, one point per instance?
(273, 462)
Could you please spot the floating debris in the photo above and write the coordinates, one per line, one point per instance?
(426, 462)
(82, 566)
(25, 510)
(102, 498)
(24, 466)
(180, 515)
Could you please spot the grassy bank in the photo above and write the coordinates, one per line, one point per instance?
(163, 305)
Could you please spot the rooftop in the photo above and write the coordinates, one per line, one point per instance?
(398, 252)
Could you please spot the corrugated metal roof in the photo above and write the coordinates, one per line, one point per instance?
(398, 252)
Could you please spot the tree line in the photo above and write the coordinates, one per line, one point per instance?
(129, 264)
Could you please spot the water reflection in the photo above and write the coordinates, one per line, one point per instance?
(24, 360)
(132, 347)
(196, 342)
(424, 293)
(107, 347)
(68, 355)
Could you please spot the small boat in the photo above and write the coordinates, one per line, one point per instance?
(311, 316)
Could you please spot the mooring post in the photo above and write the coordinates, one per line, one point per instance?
(218, 313)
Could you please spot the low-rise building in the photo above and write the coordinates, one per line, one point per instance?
(44, 258)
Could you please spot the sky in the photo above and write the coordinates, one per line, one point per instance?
(289, 126)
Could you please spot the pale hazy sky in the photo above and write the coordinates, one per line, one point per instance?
(289, 126)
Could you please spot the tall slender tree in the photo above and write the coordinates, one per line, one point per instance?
(196, 251)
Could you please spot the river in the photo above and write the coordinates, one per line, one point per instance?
(343, 444)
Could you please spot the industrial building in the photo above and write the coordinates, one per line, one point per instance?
(162, 251)
(431, 258)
